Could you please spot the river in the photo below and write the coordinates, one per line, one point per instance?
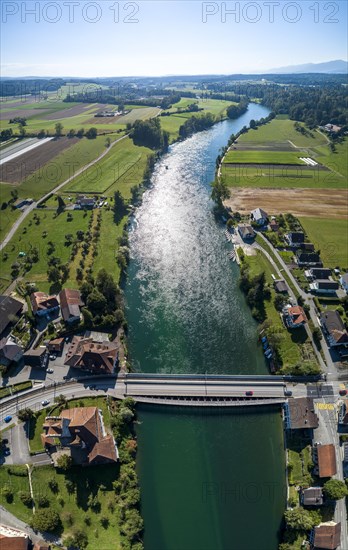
(210, 479)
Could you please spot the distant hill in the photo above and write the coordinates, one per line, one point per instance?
(332, 67)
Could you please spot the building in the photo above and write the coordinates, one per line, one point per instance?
(13, 539)
(281, 286)
(85, 202)
(42, 304)
(332, 128)
(259, 216)
(318, 273)
(326, 536)
(345, 452)
(334, 328)
(10, 310)
(86, 354)
(79, 432)
(344, 282)
(19, 203)
(308, 259)
(10, 352)
(313, 496)
(246, 231)
(274, 226)
(299, 414)
(308, 247)
(326, 460)
(56, 345)
(70, 303)
(41, 546)
(295, 238)
(294, 316)
(36, 357)
(324, 286)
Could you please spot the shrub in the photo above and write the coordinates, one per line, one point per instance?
(25, 497)
(43, 501)
(46, 520)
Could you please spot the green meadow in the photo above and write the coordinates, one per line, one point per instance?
(282, 130)
(263, 157)
(330, 237)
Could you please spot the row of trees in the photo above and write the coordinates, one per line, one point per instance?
(234, 111)
(148, 133)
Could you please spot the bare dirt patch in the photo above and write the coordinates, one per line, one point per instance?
(69, 112)
(321, 203)
(20, 113)
(21, 167)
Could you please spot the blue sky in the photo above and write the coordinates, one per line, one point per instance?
(108, 38)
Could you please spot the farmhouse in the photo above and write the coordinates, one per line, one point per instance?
(259, 216)
(300, 414)
(294, 316)
(42, 304)
(324, 286)
(344, 282)
(295, 238)
(10, 309)
(318, 273)
(334, 328)
(326, 460)
(70, 302)
(308, 259)
(79, 432)
(9, 352)
(84, 202)
(86, 354)
(246, 231)
(326, 536)
(313, 496)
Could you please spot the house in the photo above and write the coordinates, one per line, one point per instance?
(324, 286)
(85, 202)
(86, 354)
(345, 452)
(36, 357)
(326, 536)
(41, 546)
(295, 238)
(56, 345)
(10, 352)
(274, 226)
(70, 302)
(42, 304)
(246, 231)
(281, 286)
(344, 282)
(294, 316)
(13, 539)
(299, 414)
(309, 247)
(10, 310)
(308, 259)
(313, 496)
(259, 216)
(19, 203)
(318, 273)
(334, 328)
(80, 433)
(326, 460)
(332, 128)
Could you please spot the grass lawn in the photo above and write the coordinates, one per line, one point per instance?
(330, 236)
(263, 157)
(125, 160)
(107, 244)
(17, 484)
(282, 130)
(7, 217)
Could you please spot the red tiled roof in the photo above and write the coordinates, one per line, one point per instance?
(326, 460)
(327, 535)
(297, 314)
(41, 301)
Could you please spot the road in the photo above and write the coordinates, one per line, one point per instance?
(32, 206)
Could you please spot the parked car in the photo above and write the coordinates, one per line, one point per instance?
(50, 371)
(343, 392)
(249, 393)
(7, 452)
(5, 441)
(66, 377)
(53, 357)
(8, 418)
(45, 402)
(288, 393)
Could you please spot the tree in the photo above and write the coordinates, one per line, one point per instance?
(279, 302)
(71, 133)
(53, 485)
(59, 129)
(22, 130)
(78, 540)
(64, 462)
(43, 501)
(96, 302)
(53, 274)
(25, 497)
(46, 520)
(91, 133)
(220, 191)
(60, 399)
(301, 519)
(25, 414)
(80, 132)
(335, 489)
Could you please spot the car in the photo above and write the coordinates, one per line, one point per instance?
(8, 418)
(288, 393)
(67, 339)
(45, 402)
(249, 393)
(53, 357)
(5, 441)
(50, 371)
(343, 392)
(66, 377)
(7, 452)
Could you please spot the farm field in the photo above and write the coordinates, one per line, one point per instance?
(108, 245)
(263, 157)
(124, 158)
(319, 203)
(330, 236)
(282, 131)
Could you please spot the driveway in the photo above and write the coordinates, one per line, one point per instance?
(18, 445)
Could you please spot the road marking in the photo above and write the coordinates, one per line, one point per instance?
(325, 406)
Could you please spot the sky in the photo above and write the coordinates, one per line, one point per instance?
(155, 38)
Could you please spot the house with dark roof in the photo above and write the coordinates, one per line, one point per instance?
(320, 273)
(10, 310)
(326, 536)
(36, 357)
(86, 354)
(259, 216)
(79, 432)
(42, 304)
(334, 328)
(324, 286)
(326, 460)
(344, 282)
(85, 202)
(274, 225)
(70, 303)
(294, 316)
(299, 414)
(308, 247)
(295, 238)
(313, 496)
(10, 352)
(246, 231)
(308, 259)
(56, 345)
(281, 287)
